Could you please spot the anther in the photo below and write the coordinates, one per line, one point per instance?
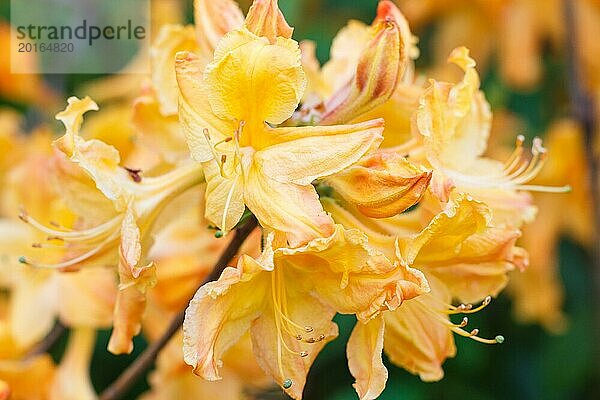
(310, 340)
(308, 329)
(298, 337)
(464, 322)
(219, 234)
(287, 383)
(474, 332)
(36, 245)
(499, 339)
(304, 354)
(223, 158)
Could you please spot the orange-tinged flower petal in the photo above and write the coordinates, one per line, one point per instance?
(455, 120)
(27, 380)
(220, 313)
(171, 40)
(416, 338)
(353, 277)
(279, 362)
(364, 358)
(382, 184)
(266, 19)
(213, 19)
(253, 80)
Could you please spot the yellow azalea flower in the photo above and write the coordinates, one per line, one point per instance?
(38, 297)
(462, 255)
(287, 299)
(453, 123)
(27, 379)
(537, 291)
(129, 204)
(228, 111)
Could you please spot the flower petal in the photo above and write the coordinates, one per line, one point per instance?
(303, 160)
(286, 207)
(266, 19)
(195, 112)
(416, 339)
(220, 313)
(253, 80)
(364, 358)
(213, 19)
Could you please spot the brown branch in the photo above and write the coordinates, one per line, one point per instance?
(50, 340)
(146, 359)
(583, 110)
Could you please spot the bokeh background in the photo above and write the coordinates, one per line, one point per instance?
(524, 78)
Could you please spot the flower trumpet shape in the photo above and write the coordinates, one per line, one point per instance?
(125, 202)
(228, 110)
(287, 299)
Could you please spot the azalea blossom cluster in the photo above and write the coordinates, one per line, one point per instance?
(364, 187)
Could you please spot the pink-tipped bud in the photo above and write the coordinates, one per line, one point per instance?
(266, 19)
(380, 68)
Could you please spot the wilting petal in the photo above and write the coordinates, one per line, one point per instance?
(220, 313)
(301, 161)
(213, 19)
(171, 39)
(130, 305)
(416, 338)
(382, 184)
(286, 207)
(72, 380)
(254, 81)
(364, 358)
(195, 112)
(286, 364)
(266, 19)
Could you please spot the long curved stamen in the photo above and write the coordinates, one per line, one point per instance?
(458, 328)
(516, 171)
(286, 327)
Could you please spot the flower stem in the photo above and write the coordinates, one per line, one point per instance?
(119, 388)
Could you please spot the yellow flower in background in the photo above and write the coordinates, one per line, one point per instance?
(228, 111)
(538, 291)
(287, 298)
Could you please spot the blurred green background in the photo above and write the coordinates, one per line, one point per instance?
(531, 364)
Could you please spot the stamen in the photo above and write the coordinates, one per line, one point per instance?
(287, 383)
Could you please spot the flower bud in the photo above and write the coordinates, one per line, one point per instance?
(266, 19)
(382, 184)
(213, 19)
(380, 67)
